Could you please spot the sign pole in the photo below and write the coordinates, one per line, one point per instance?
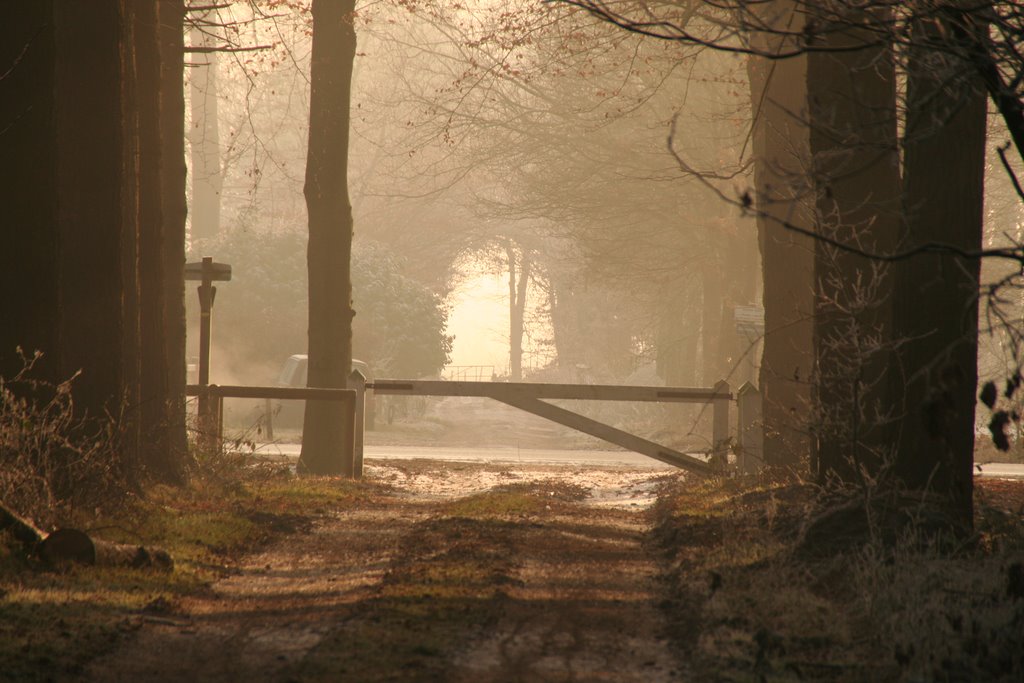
(207, 292)
(206, 272)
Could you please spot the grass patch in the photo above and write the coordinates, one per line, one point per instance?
(517, 500)
(53, 623)
(746, 607)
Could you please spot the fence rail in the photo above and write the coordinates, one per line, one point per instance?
(531, 398)
(211, 426)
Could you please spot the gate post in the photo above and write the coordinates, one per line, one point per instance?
(358, 382)
(720, 423)
(749, 429)
(268, 418)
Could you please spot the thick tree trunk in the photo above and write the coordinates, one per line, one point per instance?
(936, 294)
(326, 445)
(29, 270)
(95, 230)
(852, 95)
(132, 196)
(155, 444)
(204, 131)
(781, 155)
(171, 17)
(76, 262)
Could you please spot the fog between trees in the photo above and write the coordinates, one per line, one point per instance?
(595, 164)
(543, 137)
(632, 187)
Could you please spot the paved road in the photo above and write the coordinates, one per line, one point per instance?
(513, 455)
(490, 454)
(1001, 470)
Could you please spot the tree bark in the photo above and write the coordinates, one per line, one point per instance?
(132, 197)
(711, 322)
(91, 179)
(155, 443)
(326, 445)
(519, 266)
(94, 233)
(852, 97)
(29, 270)
(171, 17)
(937, 294)
(781, 156)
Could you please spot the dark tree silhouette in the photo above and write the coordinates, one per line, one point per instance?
(85, 187)
(936, 295)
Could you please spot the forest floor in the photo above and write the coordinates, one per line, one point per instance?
(431, 571)
(481, 572)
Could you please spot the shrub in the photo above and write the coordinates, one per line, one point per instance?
(54, 464)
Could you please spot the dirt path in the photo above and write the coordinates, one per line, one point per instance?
(460, 573)
(581, 608)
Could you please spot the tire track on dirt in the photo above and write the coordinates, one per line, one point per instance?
(278, 604)
(583, 607)
(521, 581)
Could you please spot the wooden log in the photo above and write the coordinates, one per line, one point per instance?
(67, 546)
(71, 546)
(23, 530)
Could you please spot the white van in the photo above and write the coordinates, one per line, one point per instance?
(293, 374)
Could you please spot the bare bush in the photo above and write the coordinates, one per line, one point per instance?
(943, 619)
(55, 465)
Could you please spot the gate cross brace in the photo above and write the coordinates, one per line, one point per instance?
(607, 433)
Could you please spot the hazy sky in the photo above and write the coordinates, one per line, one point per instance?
(479, 321)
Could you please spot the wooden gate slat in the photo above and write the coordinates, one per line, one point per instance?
(607, 433)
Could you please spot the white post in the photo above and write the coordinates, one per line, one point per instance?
(750, 429)
(358, 382)
(720, 423)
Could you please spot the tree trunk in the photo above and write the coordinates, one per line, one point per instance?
(781, 153)
(132, 197)
(852, 96)
(171, 17)
(95, 234)
(739, 271)
(560, 304)
(29, 270)
(517, 290)
(155, 445)
(937, 294)
(326, 445)
(204, 131)
(77, 200)
(711, 322)
(677, 341)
